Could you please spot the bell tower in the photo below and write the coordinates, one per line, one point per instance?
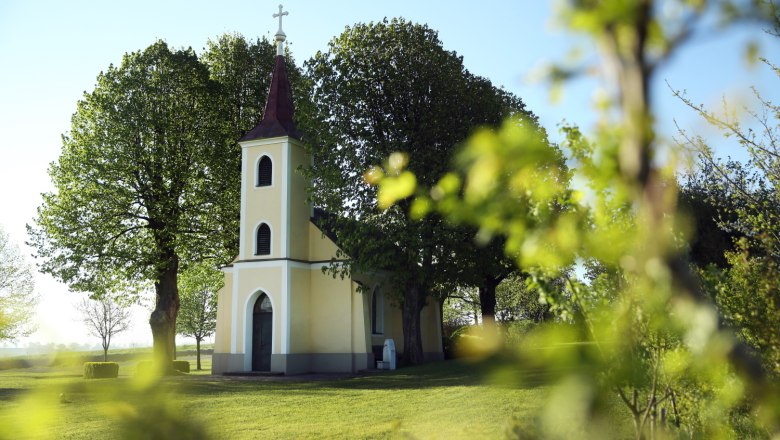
(274, 213)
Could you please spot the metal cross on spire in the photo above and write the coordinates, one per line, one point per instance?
(280, 15)
(280, 36)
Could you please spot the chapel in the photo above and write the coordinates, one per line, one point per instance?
(278, 312)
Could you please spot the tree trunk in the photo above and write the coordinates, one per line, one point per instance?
(105, 354)
(197, 351)
(163, 319)
(487, 299)
(413, 351)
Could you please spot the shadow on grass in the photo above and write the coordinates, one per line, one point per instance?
(498, 372)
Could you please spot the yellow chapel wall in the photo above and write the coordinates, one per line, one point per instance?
(300, 309)
(361, 320)
(330, 302)
(321, 248)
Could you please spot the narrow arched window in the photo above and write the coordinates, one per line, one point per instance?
(377, 313)
(373, 312)
(263, 240)
(264, 171)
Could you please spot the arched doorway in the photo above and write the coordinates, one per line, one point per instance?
(262, 318)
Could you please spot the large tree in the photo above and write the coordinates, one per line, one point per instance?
(148, 178)
(384, 88)
(17, 297)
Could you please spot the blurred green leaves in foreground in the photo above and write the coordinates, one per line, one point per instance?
(626, 332)
(639, 328)
(141, 407)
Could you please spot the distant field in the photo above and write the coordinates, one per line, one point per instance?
(77, 358)
(442, 400)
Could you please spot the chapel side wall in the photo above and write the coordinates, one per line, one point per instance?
(321, 248)
(361, 321)
(394, 328)
(263, 204)
(363, 339)
(330, 302)
(300, 312)
(223, 330)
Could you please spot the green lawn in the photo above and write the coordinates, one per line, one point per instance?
(441, 400)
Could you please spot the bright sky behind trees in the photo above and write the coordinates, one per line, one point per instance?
(52, 51)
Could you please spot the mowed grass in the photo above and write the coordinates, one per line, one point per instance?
(447, 400)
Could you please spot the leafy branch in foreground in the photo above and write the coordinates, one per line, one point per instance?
(644, 330)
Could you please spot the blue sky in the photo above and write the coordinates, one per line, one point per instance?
(51, 52)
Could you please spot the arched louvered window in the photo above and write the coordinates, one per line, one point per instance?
(263, 240)
(264, 171)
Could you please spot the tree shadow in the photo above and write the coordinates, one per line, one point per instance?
(497, 372)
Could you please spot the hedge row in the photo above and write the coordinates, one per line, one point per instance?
(100, 370)
(183, 366)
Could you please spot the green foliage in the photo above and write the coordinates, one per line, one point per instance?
(748, 296)
(149, 176)
(641, 329)
(131, 176)
(516, 300)
(101, 370)
(17, 299)
(708, 205)
(383, 88)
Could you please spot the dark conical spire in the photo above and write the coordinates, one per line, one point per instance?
(278, 115)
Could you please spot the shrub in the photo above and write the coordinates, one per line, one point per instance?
(10, 363)
(100, 370)
(183, 366)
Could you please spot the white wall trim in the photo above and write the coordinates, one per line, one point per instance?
(285, 236)
(248, 310)
(242, 222)
(280, 263)
(269, 141)
(286, 311)
(234, 312)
